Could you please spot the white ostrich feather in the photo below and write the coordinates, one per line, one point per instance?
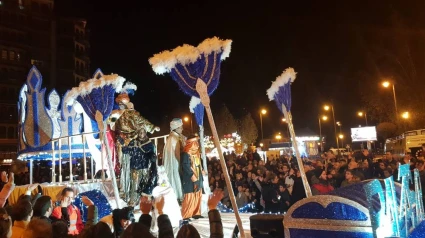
(288, 76)
(186, 54)
(162, 62)
(215, 44)
(166, 60)
(128, 86)
(86, 87)
(194, 101)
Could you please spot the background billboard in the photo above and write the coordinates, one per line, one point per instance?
(363, 134)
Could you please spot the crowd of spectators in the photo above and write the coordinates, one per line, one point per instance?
(274, 184)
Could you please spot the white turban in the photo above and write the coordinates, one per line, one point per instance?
(176, 123)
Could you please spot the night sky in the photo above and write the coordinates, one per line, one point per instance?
(319, 39)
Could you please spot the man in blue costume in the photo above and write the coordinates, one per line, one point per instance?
(138, 153)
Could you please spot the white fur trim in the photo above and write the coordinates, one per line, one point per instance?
(165, 61)
(194, 101)
(288, 76)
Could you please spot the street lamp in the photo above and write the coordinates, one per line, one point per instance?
(186, 119)
(262, 112)
(339, 124)
(387, 84)
(405, 115)
(278, 137)
(324, 118)
(327, 108)
(341, 136)
(287, 126)
(360, 114)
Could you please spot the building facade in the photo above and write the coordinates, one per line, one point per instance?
(31, 34)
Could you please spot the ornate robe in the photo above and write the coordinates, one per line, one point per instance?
(171, 161)
(138, 167)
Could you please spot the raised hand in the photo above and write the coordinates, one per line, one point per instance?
(87, 201)
(31, 187)
(159, 204)
(4, 177)
(65, 201)
(215, 198)
(145, 205)
(11, 177)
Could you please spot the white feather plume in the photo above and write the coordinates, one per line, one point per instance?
(165, 61)
(215, 44)
(128, 86)
(288, 75)
(87, 86)
(194, 101)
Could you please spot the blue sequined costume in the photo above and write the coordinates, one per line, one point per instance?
(138, 160)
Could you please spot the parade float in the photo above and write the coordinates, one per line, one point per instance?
(67, 129)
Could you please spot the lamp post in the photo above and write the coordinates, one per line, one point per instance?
(287, 127)
(262, 112)
(340, 133)
(360, 114)
(327, 108)
(341, 136)
(186, 119)
(387, 84)
(278, 137)
(324, 118)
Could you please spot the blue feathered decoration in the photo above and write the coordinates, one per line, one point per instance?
(280, 91)
(97, 94)
(186, 64)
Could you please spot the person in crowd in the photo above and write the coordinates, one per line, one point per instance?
(38, 228)
(298, 191)
(119, 220)
(270, 197)
(349, 178)
(390, 159)
(43, 208)
(241, 199)
(69, 212)
(5, 224)
(7, 189)
(21, 213)
(284, 198)
(322, 186)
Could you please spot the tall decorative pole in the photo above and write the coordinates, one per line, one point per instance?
(198, 109)
(197, 70)
(97, 97)
(280, 92)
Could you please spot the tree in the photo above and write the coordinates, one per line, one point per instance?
(386, 130)
(225, 122)
(394, 54)
(248, 130)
